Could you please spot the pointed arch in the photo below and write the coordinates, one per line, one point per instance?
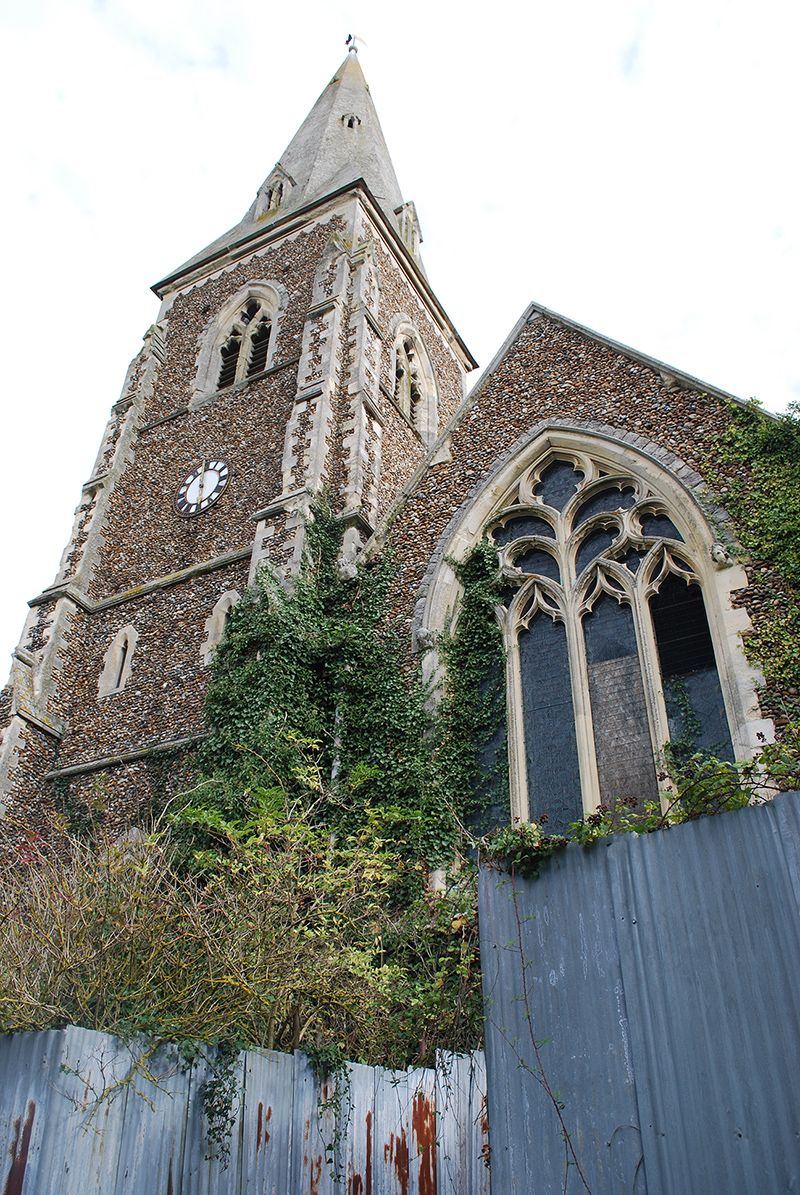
(618, 544)
(216, 624)
(413, 380)
(117, 662)
(239, 342)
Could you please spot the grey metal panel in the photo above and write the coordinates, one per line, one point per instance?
(405, 1132)
(152, 1144)
(30, 1061)
(663, 1004)
(716, 1049)
(266, 1123)
(84, 1113)
(462, 1136)
(559, 1020)
(207, 1170)
(355, 1156)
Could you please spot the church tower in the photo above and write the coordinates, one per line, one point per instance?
(302, 351)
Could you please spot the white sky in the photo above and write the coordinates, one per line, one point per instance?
(633, 165)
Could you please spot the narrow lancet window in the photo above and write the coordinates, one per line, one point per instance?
(551, 752)
(229, 359)
(117, 662)
(259, 347)
(692, 690)
(414, 391)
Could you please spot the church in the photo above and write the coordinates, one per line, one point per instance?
(304, 351)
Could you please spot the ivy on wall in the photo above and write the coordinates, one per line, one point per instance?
(312, 711)
(473, 759)
(755, 471)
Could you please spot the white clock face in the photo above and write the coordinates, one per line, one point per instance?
(202, 487)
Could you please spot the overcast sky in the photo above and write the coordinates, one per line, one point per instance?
(633, 165)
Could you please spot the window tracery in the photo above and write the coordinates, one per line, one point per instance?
(239, 341)
(244, 353)
(610, 651)
(414, 387)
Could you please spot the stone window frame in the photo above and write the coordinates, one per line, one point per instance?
(273, 298)
(117, 662)
(711, 566)
(424, 418)
(216, 623)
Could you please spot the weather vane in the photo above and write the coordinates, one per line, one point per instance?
(352, 48)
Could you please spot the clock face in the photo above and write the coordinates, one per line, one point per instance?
(202, 487)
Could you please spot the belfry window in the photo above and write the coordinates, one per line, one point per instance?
(413, 385)
(244, 352)
(610, 653)
(407, 387)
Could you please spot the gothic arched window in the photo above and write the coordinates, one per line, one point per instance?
(238, 343)
(610, 651)
(413, 385)
(243, 354)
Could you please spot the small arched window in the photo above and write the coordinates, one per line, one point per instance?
(117, 662)
(414, 387)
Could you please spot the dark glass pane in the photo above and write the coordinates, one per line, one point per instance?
(551, 752)
(537, 561)
(692, 692)
(594, 545)
(558, 484)
(632, 559)
(521, 526)
(658, 525)
(625, 761)
(607, 500)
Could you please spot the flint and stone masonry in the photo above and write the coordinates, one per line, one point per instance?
(332, 250)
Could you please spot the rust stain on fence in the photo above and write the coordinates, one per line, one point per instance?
(262, 1126)
(423, 1122)
(316, 1175)
(19, 1152)
(395, 1152)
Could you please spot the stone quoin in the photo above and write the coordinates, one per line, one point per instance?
(305, 351)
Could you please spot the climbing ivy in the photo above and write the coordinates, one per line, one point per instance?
(755, 470)
(312, 712)
(472, 713)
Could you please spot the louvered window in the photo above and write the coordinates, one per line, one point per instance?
(259, 346)
(229, 359)
(244, 354)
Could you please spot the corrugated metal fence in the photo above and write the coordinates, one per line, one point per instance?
(652, 985)
(82, 1113)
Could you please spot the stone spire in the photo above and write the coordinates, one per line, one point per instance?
(339, 141)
